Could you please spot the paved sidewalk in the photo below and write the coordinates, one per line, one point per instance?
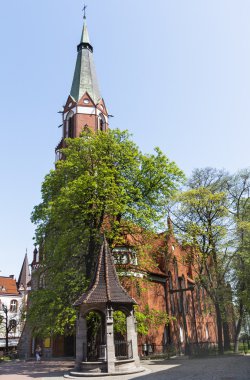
(212, 368)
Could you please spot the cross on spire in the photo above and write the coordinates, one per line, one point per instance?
(84, 11)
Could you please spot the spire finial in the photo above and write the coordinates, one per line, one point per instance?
(84, 11)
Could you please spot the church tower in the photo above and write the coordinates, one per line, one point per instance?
(85, 107)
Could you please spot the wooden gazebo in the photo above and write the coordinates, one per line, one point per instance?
(104, 296)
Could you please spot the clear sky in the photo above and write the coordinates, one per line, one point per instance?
(175, 73)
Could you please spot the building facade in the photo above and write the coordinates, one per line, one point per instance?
(13, 301)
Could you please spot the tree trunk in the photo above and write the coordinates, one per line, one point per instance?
(238, 328)
(6, 333)
(227, 342)
(219, 328)
(90, 257)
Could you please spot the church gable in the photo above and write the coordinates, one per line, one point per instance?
(69, 104)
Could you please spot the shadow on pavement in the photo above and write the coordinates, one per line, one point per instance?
(35, 369)
(216, 368)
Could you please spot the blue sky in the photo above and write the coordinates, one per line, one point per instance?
(176, 74)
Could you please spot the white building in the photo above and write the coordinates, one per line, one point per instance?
(13, 299)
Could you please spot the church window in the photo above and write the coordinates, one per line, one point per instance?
(42, 281)
(204, 300)
(184, 295)
(175, 271)
(180, 295)
(58, 155)
(181, 335)
(207, 332)
(69, 127)
(13, 306)
(171, 294)
(198, 299)
(102, 123)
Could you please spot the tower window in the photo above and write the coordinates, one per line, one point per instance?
(102, 123)
(69, 127)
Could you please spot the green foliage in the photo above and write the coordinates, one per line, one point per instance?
(150, 318)
(120, 322)
(103, 184)
(146, 319)
(213, 221)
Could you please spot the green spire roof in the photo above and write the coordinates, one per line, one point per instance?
(85, 79)
(85, 33)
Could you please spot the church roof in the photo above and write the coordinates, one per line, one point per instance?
(85, 79)
(24, 276)
(105, 286)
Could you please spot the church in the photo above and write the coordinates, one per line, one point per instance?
(169, 286)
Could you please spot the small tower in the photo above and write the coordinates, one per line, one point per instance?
(106, 295)
(24, 277)
(85, 107)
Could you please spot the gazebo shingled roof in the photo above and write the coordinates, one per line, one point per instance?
(105, 287)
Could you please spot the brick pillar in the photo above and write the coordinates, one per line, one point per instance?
(110, 340)
(81, 340)
(132, 335)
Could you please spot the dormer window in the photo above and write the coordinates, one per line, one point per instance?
(124, 255)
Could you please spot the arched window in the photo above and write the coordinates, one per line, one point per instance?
(102, 123)
(207, 332)
(171, 294)
(13, 306)
(182, 286)
(42, 281)
(69, 127)
(181, 335)
(175, 271)
(198, 299)
(204, 300)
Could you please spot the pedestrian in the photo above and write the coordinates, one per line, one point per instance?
(38, 352)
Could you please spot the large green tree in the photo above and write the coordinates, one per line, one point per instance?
(103, 184)
(238, 189)
(209, 215)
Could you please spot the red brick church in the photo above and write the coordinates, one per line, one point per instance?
(168, 285)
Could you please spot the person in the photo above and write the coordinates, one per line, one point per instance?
(38, 352)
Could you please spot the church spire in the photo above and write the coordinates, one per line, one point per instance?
(24, 276)
(85, 79)
(84, 109)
